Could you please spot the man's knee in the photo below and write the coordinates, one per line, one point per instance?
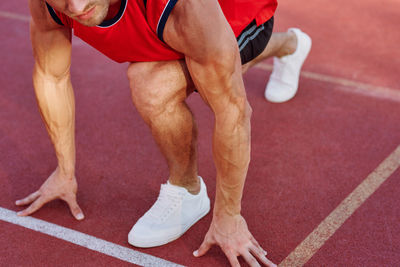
(143, 91)
(156, 87)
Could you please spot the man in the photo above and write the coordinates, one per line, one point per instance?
(175, 47)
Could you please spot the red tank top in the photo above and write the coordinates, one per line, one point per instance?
(136, 32)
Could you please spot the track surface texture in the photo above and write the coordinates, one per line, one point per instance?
(308, 155)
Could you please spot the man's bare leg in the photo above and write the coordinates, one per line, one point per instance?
(281, 44)
(159, 90)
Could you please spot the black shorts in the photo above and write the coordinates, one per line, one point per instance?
(253, 40)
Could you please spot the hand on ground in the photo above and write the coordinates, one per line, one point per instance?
(56, 186)
(232, 235)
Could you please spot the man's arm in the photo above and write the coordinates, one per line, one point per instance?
(51, 45)
(198, 29)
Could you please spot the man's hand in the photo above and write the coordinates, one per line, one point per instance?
(232, 235)
(56, 186)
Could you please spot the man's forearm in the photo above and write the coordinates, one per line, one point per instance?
(221, 85)
(231, 150)
(57, 107)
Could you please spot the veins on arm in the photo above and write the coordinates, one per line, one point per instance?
(213, 60)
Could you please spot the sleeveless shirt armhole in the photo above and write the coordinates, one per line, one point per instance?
(164, 17)
(54, 15)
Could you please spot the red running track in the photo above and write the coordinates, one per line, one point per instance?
(307, 155)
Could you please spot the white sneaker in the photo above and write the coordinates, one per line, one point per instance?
(284, 80)
(174, 212)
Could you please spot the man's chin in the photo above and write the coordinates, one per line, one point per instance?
(89, 23)
(95, 20)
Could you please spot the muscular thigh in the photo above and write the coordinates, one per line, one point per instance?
(155, 85)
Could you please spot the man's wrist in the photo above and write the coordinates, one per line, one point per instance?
(223, 210)
(227, 203)
(226, 224)
(66, 172)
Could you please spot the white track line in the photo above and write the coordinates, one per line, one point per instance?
(314, 241)
(346, 85)
(15, 16)
(84, 240)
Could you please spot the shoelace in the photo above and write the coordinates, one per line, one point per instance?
(167, 202)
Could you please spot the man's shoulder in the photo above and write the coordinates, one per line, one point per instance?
(41, 16)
